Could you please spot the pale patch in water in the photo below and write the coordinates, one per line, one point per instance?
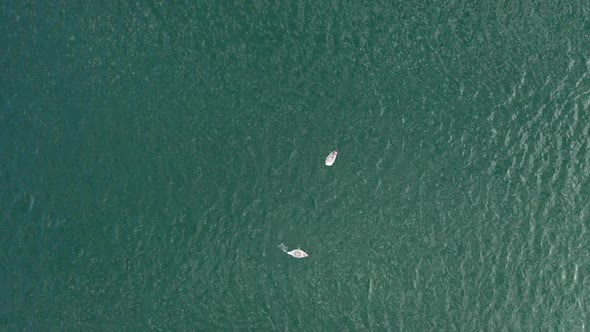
(331, 158)
(297, 253)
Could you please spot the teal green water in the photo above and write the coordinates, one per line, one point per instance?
(153, 157)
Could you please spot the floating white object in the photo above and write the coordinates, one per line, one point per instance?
(331, 158)
(297, 253)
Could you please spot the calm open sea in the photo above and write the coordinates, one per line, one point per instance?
(153, 157)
